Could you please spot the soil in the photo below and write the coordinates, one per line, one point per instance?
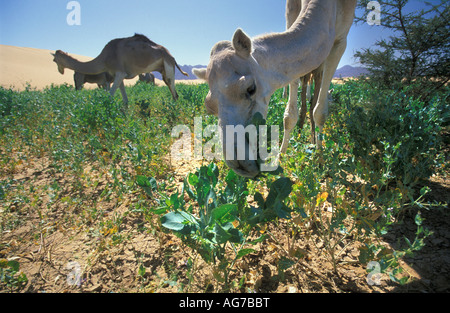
(68, 252)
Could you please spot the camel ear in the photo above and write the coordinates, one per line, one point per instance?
(199, 72)
(242, 44)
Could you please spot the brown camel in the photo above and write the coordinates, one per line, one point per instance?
(125, 58)
(102, 80)
(148, 78)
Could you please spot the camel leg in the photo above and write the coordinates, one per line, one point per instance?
(285, 91)
(317, 74)
(330, 66)
(169, 79)
(302, 117)
(118, 83)
(124, 93)
(308, 92)
(290, 115)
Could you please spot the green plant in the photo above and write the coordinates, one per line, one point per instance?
(221, 216)
(10, 275)
(388, 260)
(389, 130)
(379, 146)
(349, 199)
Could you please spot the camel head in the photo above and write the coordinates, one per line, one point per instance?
(58, 59)
(236, 94)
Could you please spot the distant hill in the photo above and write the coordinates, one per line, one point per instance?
(345, 71)
(350, 71)
(179, 76)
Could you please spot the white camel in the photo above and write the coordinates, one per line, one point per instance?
(293, 9)
(244, 73)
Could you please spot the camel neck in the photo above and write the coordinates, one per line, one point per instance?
(302, 48)
(93, 67)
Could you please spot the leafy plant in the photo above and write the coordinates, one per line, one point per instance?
(11, 276)
(221, 216)
(389, 130)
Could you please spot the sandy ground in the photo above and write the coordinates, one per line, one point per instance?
(22, 66)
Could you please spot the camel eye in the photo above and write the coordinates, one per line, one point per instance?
(251, 90)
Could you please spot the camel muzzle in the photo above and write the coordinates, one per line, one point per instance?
(239, 152)
(249, 169)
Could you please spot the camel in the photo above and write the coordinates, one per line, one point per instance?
(293, 9)
(148, 78)
(102, 80)
(125, 58)
(244, 73)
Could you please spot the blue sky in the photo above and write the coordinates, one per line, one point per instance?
(188, 28)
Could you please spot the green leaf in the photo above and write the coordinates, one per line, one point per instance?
(279, 190)
(408, 242)
(159, 211)
(2, 193)
(258, 240)
(244, 252)
(285, 263)
(14, 265)
(424, 190)
(258, 120)
(236, 236)
(188, 190)
(141, 180)
(225, 213)
(221, 234)
(256, 216)
(282, 210)
(153, 183)
(181, 222)
(226, 233)
(193, 179)
(141, 271)
(259, 199)
(418, 219)
(211, 196)
(149, 184)
(174, 201)
(283, 187)
(213, 171)
(231, 177)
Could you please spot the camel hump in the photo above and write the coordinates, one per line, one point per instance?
(143, 38)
